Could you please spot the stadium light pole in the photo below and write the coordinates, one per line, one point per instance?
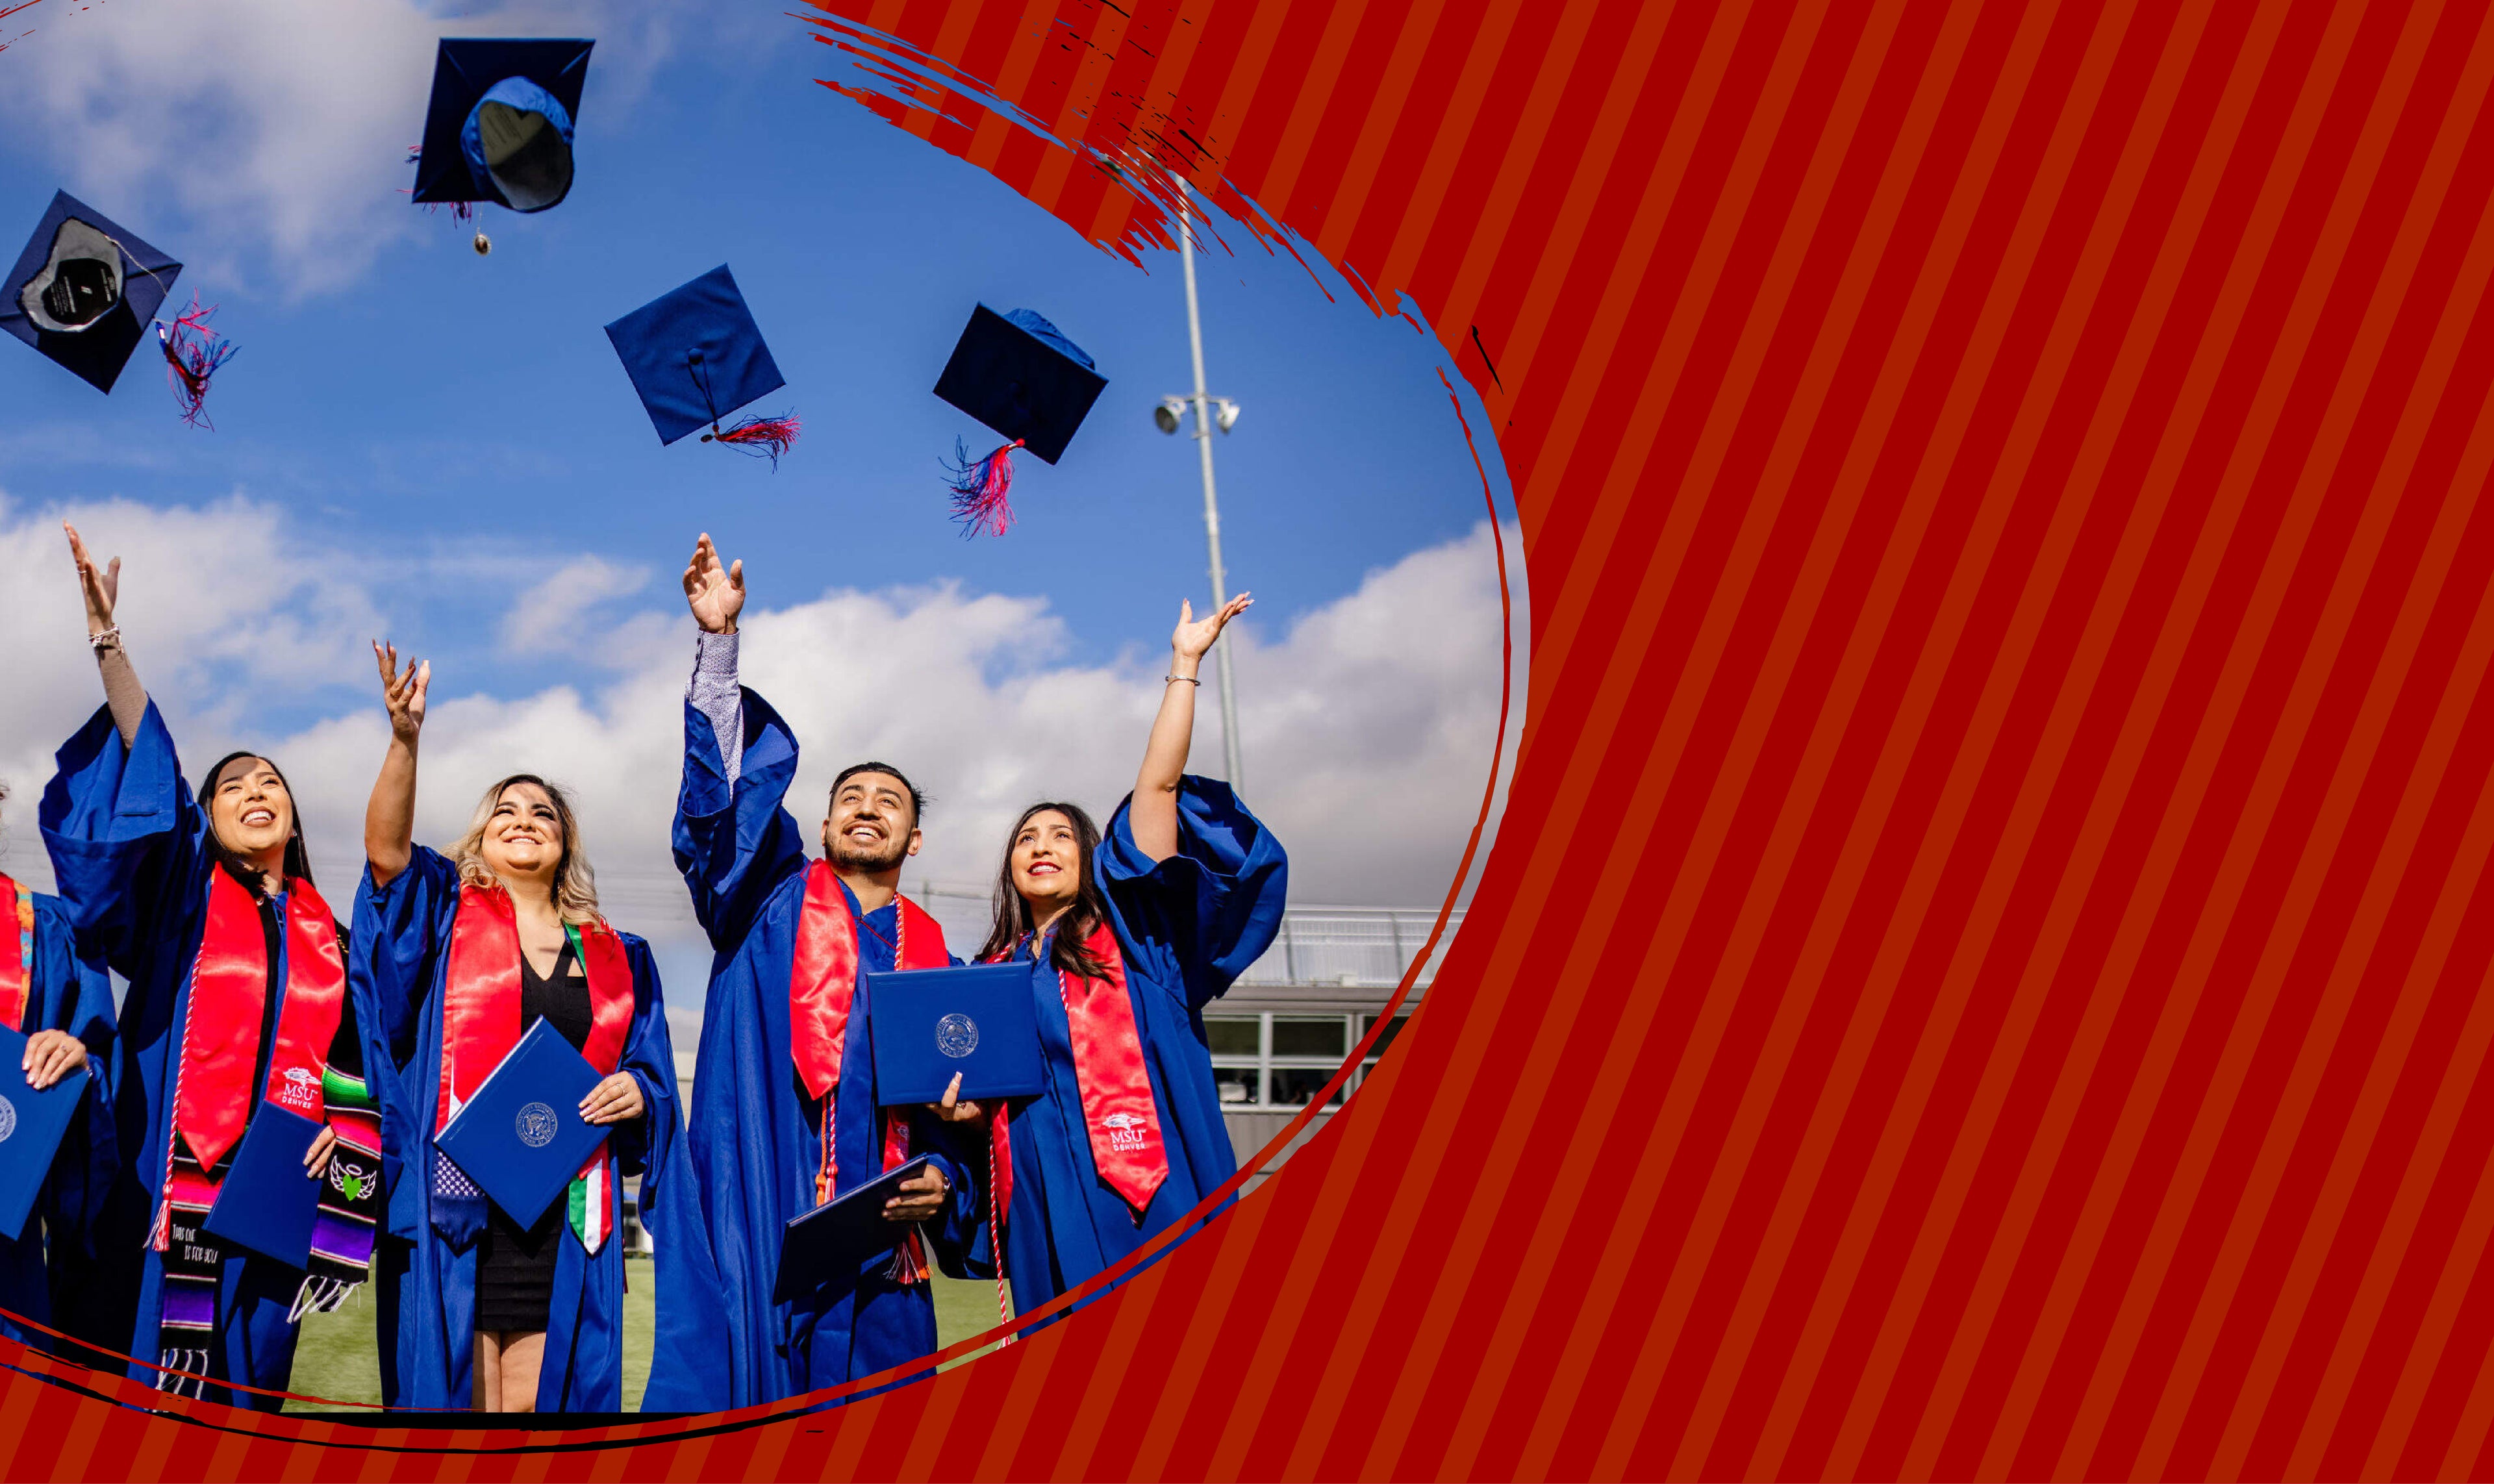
(1166, 415)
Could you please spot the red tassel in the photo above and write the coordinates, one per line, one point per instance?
(761, 437)
(980, 490)
(193, 352)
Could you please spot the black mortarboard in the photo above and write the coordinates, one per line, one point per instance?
(500, 125)
(85, 289)
(696, 355)
(1018, 375)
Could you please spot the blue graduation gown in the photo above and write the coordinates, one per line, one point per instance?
(50, 1273)
(754, 1136)
(1188, 927)
(429, 1292)
(130, 848)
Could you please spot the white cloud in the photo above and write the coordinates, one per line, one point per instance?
(232, 609)
(1368, 727)
(571, 613)
(279, 129)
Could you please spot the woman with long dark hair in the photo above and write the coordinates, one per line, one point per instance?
(469, 951)
(239, 998)
(1128, 937)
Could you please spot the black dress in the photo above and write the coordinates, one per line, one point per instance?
(515, 1268)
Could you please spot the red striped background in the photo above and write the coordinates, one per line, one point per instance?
(1982, 973)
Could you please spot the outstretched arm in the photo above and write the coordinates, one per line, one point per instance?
(1154, 815)
(716, 595)
(102, 587)
(390, 819)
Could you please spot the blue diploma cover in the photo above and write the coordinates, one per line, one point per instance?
(837, 1239)
(268, 1200)
(927, 1025)
(521, 1138)
(31, 1126)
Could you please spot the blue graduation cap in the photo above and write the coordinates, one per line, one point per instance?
(498, 128)
(1018, 375)
(696, 355)
(85, 289)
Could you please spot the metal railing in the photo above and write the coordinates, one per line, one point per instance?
(1364, 947)
(1319, 946)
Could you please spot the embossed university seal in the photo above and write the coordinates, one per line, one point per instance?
(535, 1125)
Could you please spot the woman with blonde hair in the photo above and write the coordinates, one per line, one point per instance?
(469, 951)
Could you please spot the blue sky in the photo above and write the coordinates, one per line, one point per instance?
(431, 399)
(415, 443)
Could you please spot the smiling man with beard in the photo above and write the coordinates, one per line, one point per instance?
(783, 1115)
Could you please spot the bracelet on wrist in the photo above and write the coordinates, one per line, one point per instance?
(105, 639)
(1171, 679)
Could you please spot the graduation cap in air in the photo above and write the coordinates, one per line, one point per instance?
(1019, 376)
(695, 356)
(85, 289)
(500, 125)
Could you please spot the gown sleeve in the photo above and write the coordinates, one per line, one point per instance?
(126, 839)
(1209, 910)
(399, 933)
(688, 1373)
(734, 843)
(78, 998)
(960, 1151)
(361, 1051)
(646, 1145)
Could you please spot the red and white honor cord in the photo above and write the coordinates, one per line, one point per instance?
(996, 1244)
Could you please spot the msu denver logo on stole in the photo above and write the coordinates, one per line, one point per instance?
(534, 1126)
(1125, 1131)
(956, 1036)
(297, 1091)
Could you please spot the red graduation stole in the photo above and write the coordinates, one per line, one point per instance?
(212, 1093)
(480, 1007)
(822, 988)
(1117, 1110)
(16, 935)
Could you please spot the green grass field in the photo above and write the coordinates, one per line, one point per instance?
(336, 1358)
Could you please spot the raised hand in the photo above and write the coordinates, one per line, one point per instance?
(102, 588)
(402, 693)
(389, 818)
(1192, 637)
(715, 594)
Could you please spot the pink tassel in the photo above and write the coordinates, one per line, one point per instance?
(761, 437)
(980, 490)
(193, 352)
